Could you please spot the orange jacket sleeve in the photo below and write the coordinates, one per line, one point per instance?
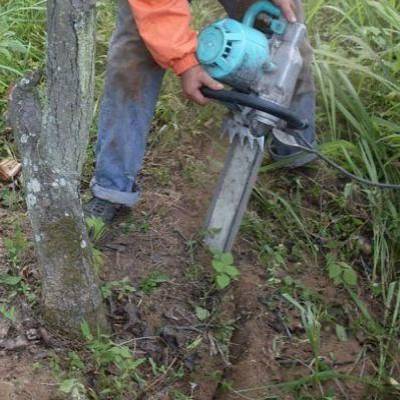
(164, 26)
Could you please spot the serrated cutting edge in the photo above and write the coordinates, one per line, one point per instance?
(232, 129)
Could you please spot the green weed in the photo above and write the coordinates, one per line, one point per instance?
(312, 326)
(105, 355)
(11, 198)
(160, 174)
(121, 289)
(341, 272)
(152, 281)
(96, 228)
(16, 247)
(224, 270)
(15, 285)
(194, 171)
(21, 44)
(202, 314)
(74, 388)
(178, 395)
(7, 312)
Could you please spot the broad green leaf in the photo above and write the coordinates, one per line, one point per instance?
(223, 281)
(218, 266)
(338, 280)
(10, 280)
(341, 333)
(202, 314)
(231, 271)
(350, 277)
(334, 270)
(68, 385)
(227, 258)
(216, 252)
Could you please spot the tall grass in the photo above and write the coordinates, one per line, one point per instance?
(21, 39)
(21, 49)
(358, 71)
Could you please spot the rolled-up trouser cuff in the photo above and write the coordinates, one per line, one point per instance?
(128, 199)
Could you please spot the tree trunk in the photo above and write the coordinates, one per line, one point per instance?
(53, 146)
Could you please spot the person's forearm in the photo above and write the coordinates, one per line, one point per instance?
(164, 26)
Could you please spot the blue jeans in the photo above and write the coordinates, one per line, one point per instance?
(133, 82)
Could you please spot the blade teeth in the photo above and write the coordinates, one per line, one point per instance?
(232, 135)
(232, 129)
(251, 142)
(260, 142)
(248, 138)
(227, 128)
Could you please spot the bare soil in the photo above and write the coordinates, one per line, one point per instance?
(254, 339)
(23, 379)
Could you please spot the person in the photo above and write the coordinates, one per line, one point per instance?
(150, 37)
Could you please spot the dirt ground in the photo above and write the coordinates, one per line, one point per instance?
(254, 339)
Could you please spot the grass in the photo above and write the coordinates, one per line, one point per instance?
(358, 73)
(316, 220)
(21, 49)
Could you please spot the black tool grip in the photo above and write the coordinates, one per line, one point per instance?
(252, 101)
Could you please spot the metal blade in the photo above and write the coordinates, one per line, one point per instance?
(232, 194)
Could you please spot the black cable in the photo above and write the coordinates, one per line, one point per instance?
(308, 147)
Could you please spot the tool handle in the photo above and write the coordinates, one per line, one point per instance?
(251, 101)
(278, 24)
(259, 7)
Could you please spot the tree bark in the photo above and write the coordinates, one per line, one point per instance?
(53, 146)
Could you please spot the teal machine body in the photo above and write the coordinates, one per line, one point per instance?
(235, 52)
(261, 66)
(260, 59)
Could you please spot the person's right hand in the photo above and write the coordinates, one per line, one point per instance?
(288, 7)
(193, 79)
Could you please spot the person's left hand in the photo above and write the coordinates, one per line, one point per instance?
(193, 79)
(288, 7)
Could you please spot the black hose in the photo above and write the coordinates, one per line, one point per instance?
(252, 101)
(310, 149)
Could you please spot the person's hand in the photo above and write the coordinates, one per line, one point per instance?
(288, 7)
(193, 79)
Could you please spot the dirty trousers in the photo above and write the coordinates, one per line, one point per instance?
(133, 81)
